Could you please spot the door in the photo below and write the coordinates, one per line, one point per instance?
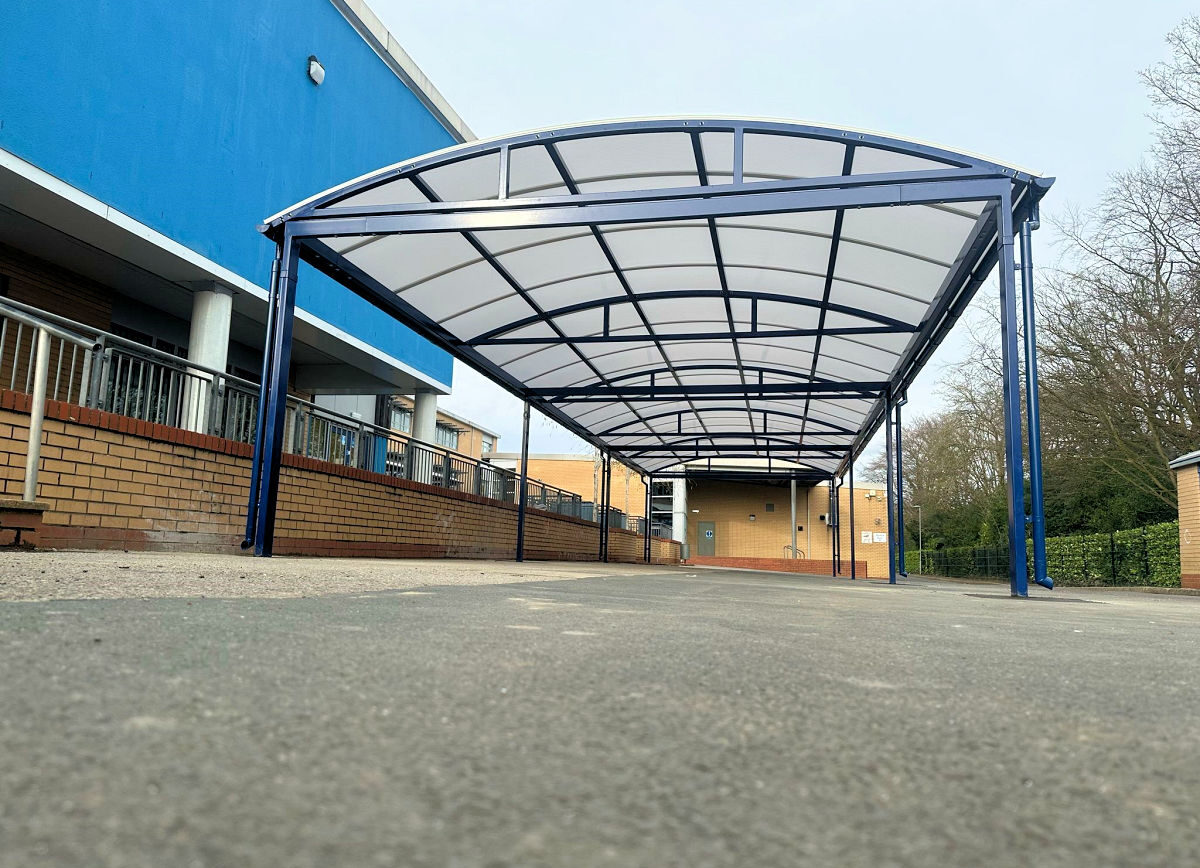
(706, 531)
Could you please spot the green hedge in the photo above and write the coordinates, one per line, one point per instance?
(1140, 556)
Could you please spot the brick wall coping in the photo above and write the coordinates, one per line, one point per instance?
(20, 402)
(14, 504)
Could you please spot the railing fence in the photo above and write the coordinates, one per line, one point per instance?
(101, 370)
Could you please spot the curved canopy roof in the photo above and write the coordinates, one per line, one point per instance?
(683, 288)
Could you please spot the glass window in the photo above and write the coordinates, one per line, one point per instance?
(446, 436)
(401, 419)
(487, 443)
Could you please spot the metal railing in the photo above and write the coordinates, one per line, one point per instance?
(98, 369)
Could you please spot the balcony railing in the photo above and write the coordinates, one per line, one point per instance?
(101, 370)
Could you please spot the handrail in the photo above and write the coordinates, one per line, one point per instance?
(129, 378)
(41, 322)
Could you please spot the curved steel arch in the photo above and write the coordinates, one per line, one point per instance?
(459, 153)
(833, 428)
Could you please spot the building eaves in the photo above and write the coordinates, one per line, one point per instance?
(1185, 460)
(371, 29)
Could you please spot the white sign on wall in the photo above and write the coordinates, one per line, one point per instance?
(880, 537)
(866, 537)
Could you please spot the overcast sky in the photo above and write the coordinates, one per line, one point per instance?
(1051, 86)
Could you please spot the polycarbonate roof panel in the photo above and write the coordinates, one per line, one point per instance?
(640, 282)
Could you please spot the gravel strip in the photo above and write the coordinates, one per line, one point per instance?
(78, 575)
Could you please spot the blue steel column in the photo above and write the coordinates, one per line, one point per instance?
(1033, 420)
(853, 531)
(268, 342)
(891, 521)
(273, 393)
(831, 520)
(649, 510)
(523, 494)
(837, 515)
(607, 504)
(902, 567)
(1013, 464)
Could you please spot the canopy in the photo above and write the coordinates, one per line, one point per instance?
(680, 289)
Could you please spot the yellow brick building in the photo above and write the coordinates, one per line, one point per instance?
(747, 520)
(754, 520)
(581, 474)
(1187, 479)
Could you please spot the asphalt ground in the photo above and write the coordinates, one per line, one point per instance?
(630, 717)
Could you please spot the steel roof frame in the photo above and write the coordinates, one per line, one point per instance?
(302, 233)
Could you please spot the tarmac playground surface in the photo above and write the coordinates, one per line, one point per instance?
(179, 710)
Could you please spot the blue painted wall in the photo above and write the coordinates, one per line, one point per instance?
(197, 118)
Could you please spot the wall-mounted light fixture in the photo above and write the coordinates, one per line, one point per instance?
(315, 70)
(752, 517)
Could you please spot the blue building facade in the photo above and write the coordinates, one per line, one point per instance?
(192, 121)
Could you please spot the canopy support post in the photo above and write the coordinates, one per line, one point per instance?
(273, 395)
(256, 461)
(831, 521)
(606, 497)
(1032, 411)
(793, 496)
(900, 530)
(853, 531)
(891, 521)
(1014, 471)
(523, 481)
(649, 506)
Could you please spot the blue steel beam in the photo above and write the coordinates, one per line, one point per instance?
(273, 394)
(687, 295)
(672, 337)
(861, 388)
(1033, 420)
(660, 194)
(1013, 463)
(916, 191)
(830, 427)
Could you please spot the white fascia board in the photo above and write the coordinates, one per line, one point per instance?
(78, 198)
(1185, 461)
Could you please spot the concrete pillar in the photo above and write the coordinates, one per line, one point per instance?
(208, 345)
(679, 514)
(424, 421)
(424, 429)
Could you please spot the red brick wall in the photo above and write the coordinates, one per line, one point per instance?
(115, 482)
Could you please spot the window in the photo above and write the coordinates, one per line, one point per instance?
(444, 435)
(149, 340)
(488, 443)
(770, 507)
(400, 419)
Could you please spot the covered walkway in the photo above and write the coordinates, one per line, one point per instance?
(683, 292)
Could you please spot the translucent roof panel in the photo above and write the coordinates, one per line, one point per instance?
(679, 290)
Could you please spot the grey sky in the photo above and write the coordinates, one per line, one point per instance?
(1050, 85)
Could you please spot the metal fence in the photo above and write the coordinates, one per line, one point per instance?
(101, 370)
(1137, 556)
